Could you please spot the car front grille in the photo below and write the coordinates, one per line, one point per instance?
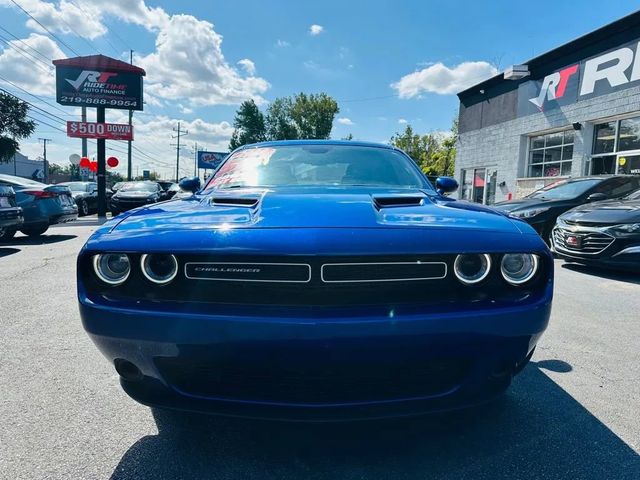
(306, 372)
(585, 242)
(309, 282)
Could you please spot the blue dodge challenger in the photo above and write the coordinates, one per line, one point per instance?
(315, 280)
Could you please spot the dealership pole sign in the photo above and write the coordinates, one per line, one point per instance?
(108, 131)
(93, 87)
(210, 160)
(609, 72)
(100, 82)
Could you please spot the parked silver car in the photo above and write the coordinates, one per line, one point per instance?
(42, 205)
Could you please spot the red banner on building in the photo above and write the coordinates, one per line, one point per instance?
(108, 131)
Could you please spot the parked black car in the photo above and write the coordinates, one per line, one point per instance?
(542, 207)
(10, 214)
(170, 188)
(601, 233)
(42, 205)
(136, 194)
(85, 195)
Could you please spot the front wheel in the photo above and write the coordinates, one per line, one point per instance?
(6, 234)
(35, 231)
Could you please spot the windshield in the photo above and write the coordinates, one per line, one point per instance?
(633, 195)
(139, 187)
(565, 189)
(317, 164)
(76, 186)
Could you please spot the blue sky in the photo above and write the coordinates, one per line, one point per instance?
(385, 62)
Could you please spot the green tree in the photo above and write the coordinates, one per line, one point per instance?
(279, 123)
(313, 115)
(434, 153)
(249, 125)
(14, 125)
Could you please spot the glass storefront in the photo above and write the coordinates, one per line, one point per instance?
(550, 155)
(616, 147)
(479, 185)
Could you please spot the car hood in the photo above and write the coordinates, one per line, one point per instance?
(318, 208)
(606, 212)
(522, 204)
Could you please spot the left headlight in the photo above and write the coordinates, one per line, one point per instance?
(518, 268)
(112, 268)
(531, 212)
(627, 228)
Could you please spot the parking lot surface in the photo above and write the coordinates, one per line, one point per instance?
(574, 413)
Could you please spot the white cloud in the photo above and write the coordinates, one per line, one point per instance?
(316, 29)
(402, 121)
(188, 64)
(438, 78)
(282, 43)
(345, 121)
(35, 77)
(184, 109)
(248, 66)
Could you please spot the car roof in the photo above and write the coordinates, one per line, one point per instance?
(20, 180)
(601, 177)
(284, 143)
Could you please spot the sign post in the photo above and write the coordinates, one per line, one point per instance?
(101, 82)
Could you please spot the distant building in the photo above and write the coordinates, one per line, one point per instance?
(572, 111)
(23, 167)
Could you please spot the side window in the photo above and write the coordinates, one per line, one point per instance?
(616, 187)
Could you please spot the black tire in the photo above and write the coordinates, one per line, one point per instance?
(83, 208)
(6, 234)
(35, 231)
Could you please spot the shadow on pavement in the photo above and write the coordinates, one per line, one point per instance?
(5, 252)
(536, 431)
(621, 276)
(40, 240)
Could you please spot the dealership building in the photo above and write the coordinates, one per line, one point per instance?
(572, 111)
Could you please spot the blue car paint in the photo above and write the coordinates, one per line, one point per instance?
(309, 222)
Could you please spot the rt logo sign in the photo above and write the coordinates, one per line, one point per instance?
(607, 71)
(91, 76)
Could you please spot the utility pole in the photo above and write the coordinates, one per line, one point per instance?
(130, 120)
(44, 155)
(195, 159)
(179, 134)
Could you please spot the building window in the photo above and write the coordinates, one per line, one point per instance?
(550, 155)
(612, 144)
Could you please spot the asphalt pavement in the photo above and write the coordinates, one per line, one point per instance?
(574, 413)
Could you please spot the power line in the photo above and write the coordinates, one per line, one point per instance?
(47, 59)
(45, 28)
(34, 96)
(23, 53)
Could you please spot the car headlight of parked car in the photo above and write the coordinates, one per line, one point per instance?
(627, 228)
(518, 268)
(530, 212)
(112, 268)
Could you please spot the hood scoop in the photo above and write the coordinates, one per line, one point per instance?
(381, 202)
(229, 201)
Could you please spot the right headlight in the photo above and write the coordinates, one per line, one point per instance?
(112, 268)
(518, 268)
(627, 228)
(159, 268)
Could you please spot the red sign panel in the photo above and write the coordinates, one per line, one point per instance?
(108, 131)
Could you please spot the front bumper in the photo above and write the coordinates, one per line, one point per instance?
(317, 368)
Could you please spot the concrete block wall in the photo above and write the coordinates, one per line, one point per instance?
(506, 145)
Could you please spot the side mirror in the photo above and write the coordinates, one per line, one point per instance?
(596, 197)
(190, 184)
(446, 185)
